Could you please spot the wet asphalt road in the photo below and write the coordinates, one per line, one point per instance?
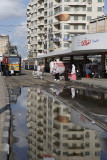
(87, 98)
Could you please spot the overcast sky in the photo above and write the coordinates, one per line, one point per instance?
(13, 22)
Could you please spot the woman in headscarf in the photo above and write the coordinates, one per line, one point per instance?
(73, 72)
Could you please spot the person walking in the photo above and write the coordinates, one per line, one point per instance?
(87, 71)
(73, 72)
(39, 73)
(56, 69)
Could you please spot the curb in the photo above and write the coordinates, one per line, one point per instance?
(6, 129)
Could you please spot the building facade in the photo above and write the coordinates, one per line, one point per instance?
(4, 44)
(98, 25)
(51, 24)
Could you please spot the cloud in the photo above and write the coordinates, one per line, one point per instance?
(21, 30)
(18, 37)
(12, 9)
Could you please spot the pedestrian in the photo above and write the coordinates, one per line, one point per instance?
(42, 68)
(87, 73)
(6, 70)
(99, 70)
(39, 73)
(73, 72)
(57, 71)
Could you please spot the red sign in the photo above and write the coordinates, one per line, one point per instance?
(85, 42)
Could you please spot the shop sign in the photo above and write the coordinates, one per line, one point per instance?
(48, 157)
(63, 17)
(88, 42)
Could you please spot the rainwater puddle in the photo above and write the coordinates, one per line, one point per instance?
(45, 128)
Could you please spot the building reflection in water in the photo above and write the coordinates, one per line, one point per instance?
(52, 131)
(93, 100)
(14, 94)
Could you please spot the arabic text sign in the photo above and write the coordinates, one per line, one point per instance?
(89, 42)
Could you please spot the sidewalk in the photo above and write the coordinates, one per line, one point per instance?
(96, 82)
(4, 123)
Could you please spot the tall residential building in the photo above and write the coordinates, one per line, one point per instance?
(4, 44)
(51, 24)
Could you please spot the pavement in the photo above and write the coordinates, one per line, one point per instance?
(4, 120)
(93, 82)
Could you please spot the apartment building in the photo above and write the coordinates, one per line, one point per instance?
(4, 44)
(51, 24)
(52, 133)
(98, 25)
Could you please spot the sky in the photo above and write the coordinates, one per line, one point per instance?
(13, 22)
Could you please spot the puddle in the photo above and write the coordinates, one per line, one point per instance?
(48, 129)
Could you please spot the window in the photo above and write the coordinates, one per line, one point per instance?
(74, 136)
(83, 17)
(76, 0)
(97, 145)
(97, 153)
(65, 136)
(65, 127)
(76, 8)
(66, 26)
(65, 144)
(66, 0)
(66, 45)
(99, 0)
(75, 26)
(99, 9)
(87, 145)
(84, 0)
(74, 145)
(88, 18)
(84, 8)
(66, 9)
(89, 9)
(65, 153)
(75, 17)
(83, 26)
(87, 153)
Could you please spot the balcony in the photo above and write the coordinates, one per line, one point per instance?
(40, 14)
(40, 124)
(40, 148)
(76, 129)
(40, 156)
(57, 144)
(76, 147)
(76, 154)
(57, 135)
(40, 132)
(40, 140)
(76, 21)
(41, 32)
(40, 116)
(76, 138)
(41, 6)
(56, 110)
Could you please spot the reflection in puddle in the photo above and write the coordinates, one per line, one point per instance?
(55, 130)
